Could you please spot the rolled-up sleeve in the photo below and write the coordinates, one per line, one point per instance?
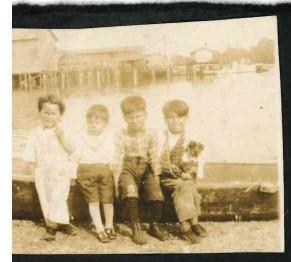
(154, 153)
(118, 155)
(76, 142)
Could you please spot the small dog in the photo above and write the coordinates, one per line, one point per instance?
(189, 165)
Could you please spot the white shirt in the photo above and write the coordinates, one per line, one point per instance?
(172, 140)
(95, 149)
(43, 148)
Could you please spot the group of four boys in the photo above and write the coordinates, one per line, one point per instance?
(133, 165)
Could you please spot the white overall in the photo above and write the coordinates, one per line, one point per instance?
(52, 173)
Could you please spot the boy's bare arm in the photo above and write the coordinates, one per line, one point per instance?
(154, 154)
(117, 161)
(68, 147)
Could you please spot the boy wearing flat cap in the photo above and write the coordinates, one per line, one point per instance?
(180, 165)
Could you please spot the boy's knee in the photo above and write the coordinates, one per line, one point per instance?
(130, 190)
(153, 190)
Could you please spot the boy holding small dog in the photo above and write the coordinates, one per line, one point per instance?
(180, 166)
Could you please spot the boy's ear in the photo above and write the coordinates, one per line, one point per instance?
(201, 147)
(192, 145)
(124, 116)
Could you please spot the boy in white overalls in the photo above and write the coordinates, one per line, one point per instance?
(48, 151)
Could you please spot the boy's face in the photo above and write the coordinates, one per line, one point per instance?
(135, 121)
(176, 124)
(96, 125)
(50, 115)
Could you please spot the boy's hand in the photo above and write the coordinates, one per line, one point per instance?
(73, 182)
(186, 176)
(172, 183)
(67, 145)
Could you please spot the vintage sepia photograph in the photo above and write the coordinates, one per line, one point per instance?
(157, 138)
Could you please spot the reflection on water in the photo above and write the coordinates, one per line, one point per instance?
(236, 116)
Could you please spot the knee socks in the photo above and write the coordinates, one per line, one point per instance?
(130, 210)
(94, 211)
(108, 215)
(155, 209)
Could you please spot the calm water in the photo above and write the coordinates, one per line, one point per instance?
(236, 116)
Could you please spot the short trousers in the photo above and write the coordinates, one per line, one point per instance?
(96, 182)
(137, 180)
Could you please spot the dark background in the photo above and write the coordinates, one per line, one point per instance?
(86, 16)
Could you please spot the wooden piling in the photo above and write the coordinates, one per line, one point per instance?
(20, 81)
(117, 76)
(91, 83)
(168, 74)
(29, 81)
(194, 72)
(81, 79)
(63, 80)
(25, 82)
(87, 79)
(41, 81)
(44, 77)
(108, 78)
(98, 79)
(56, 84)
(153, 77)
(135, 76)
(48, 80)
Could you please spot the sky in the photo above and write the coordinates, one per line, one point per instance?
(173, 38)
